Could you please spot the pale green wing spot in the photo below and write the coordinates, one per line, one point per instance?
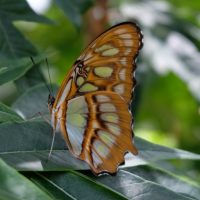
(123, 61)
(100, 148)
(127, 51)
(113, 128)
(76, 123)
(80, 80)
(119, 88)
(110, 52)
(107, 107)
(76, 137)
(128, 43)
(126, 36)
(103, 72)
(106, 137)
(122, 74)
(76, 119)
(110, 117)
(88, 87)
(103, 48)
(120, 31)
(96, 159)
(102, 98)
(77, 105)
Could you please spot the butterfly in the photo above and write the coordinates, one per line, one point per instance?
(92, 107)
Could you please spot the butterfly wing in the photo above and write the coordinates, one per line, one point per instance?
(98, 129)
(109, 62)
(103, 71)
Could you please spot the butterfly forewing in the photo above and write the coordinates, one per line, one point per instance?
(92, 104)
(110, 61)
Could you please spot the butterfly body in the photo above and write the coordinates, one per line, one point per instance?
(92, 105)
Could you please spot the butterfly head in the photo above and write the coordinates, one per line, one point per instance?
(51, 100)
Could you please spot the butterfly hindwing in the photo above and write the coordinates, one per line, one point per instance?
(98, 131)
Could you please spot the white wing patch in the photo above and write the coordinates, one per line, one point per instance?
(76, 123)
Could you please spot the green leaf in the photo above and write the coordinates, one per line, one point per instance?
(135, 187)
(7, 114)
(20, 10)
(37, 94)
(38, 137)
(124, 185)
(73, 185)
(33, 77)
(26, 146)
(167, 180)
(74, 9)
(31, 141)
(12, 42)
(11, 70)
(150, 152)
(16, 187)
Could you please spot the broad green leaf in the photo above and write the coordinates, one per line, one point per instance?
(147, 150)
(124, 185)
(74, 9)
(73, 185)
(16, 187)
(185, 170)
(12, 42)
(150, 153)
(31, 141)
(11, 70)
(33, 77)
(7, 114)
(37, 94)
(26, 146)
(135, 187)
(167, 180)
(20, 10)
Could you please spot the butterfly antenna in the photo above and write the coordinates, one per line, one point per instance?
(52, 143)
(51, 88)
(32, 60)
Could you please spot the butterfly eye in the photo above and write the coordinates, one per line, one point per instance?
(51, 101)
